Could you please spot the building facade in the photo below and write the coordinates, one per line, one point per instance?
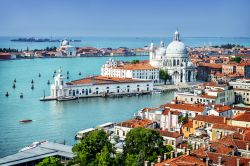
(174, 59)
(66, 49)
(98, 86)
(241, 88)
(139, 70)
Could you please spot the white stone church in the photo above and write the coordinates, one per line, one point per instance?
(173, 58)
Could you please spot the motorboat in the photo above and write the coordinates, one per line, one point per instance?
(66, 98)
(25, 121)
(31, 146)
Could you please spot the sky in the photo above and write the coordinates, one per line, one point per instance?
(194, 18)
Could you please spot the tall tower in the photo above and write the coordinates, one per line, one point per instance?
(58, 84)
(151, 51)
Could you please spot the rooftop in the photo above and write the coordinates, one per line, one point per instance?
(210, 119)
(142, 65)
(45, 149)
(134, 123)
(170, 134)
(185, 106)
(98, 80)
(242, 117)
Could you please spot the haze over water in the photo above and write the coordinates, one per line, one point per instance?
(130, 42)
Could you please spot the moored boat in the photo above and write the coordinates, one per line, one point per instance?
(33, 145)
(25, 121)
(66, 98)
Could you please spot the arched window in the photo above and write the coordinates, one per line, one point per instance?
(89, 90)
(174, 62)
(118, 87)
(178, 62)
(107, 88)
(70, 91)
(138, 85)
(77, 91)
(82, 91)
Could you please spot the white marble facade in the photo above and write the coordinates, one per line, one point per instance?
(173, 58)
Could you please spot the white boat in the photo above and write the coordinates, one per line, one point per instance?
(66, 98)
(33, 145)
(81, 134)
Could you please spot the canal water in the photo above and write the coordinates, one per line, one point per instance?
(57, 121)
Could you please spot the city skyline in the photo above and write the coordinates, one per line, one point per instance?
(125, 18)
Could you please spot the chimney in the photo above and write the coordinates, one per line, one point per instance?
(188, 151)
(247, 147)
(207, 161)
(193, 146)
(249, 163)
(159, 159)
(172, 154)
(238, 162)
(219, 160)
(184, 149)
(232, 152)
(146, 163)
(165, 156)
(169, 121)
(167, 164)
(209, 148)
(152, 164)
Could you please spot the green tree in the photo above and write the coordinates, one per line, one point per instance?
(144, 143)
(131, 160)
(236, 59)
(135, 61)
(104, 158)
(51, 161)
(88, 150)
(119, 159)
(164, 75)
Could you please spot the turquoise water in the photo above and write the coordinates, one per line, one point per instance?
(131, 42)
(57, 120)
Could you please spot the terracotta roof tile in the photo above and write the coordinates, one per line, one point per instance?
(211, 119)
(97, 80)
(242, 117)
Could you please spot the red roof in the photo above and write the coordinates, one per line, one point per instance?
(97, 80)
(229, 127)
(211, 119)
(134, 123)
(242, 117)
(185, 106)
(170, 134)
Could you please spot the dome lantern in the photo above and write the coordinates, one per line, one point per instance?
(177, 36)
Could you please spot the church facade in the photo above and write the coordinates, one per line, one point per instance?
(174, 59)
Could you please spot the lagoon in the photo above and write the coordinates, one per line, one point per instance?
(57, 121)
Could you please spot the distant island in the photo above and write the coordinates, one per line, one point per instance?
(33, 39)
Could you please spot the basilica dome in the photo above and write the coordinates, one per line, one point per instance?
(176, 47)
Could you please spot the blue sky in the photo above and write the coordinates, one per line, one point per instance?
(194, 18)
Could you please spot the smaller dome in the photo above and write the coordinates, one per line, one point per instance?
(161, 51)
(65, 43)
